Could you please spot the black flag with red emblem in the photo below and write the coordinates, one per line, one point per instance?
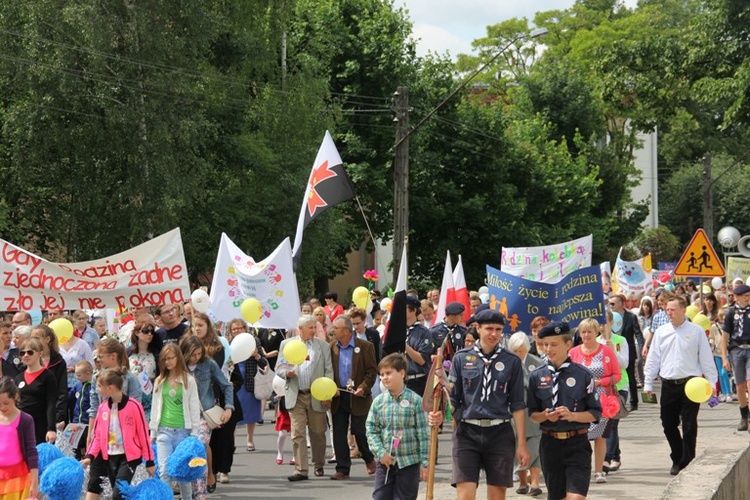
(328, 185)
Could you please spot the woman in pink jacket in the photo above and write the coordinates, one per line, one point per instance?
(119, 437)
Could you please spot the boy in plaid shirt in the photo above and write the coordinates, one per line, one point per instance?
(397, 434)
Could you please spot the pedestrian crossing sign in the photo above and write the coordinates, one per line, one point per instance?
(699, 258)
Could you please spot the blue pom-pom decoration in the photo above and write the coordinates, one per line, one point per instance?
(48, 453)
(62, 480)
(182, 465)
(150, 489)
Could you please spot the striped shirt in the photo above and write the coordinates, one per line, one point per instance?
(305, 370)
(390, 416)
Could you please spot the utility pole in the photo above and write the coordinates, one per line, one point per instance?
(708, 197)
(401, 177)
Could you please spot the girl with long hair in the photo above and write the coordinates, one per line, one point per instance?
(112, 355)
(143, 357)
(175, 410)
(38, 392)
(207, 374)
(54, 362)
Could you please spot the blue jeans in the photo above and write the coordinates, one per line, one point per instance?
(613, 441)
(167, 440)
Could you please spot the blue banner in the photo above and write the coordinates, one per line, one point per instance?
(576, 297)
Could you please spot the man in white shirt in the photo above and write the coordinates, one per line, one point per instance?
(679, 351)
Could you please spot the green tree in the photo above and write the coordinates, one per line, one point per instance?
(660, 243)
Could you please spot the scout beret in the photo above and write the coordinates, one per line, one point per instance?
(413, 302)
(741, 289)
(454, 308)
(489, 316)
(552, 329)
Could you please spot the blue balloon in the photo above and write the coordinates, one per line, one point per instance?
(36, 317)
(616, 322)
(227, 349)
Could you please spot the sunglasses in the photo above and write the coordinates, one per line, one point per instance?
(147, 331)
(27, 353)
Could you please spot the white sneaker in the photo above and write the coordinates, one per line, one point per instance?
(222, 477)
(600, 477)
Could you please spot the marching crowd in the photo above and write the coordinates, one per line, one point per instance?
(524, 407)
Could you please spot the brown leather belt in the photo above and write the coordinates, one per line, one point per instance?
(566, 434)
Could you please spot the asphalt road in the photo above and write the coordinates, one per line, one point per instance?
(256, 474)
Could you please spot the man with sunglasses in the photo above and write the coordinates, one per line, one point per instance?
(174, 325)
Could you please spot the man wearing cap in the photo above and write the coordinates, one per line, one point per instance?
(487, 391)
(418, 347)
(736, 342)
(451, 329)
(562, 399)
(679, 352)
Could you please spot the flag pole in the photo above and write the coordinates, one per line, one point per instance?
(434, 431)
(372, 237)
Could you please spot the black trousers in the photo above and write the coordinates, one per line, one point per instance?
(676, 408)
(630, 370)
(342, 419)
(115, 468)
(222, 447)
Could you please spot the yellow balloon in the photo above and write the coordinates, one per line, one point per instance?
(691, 311)
(323, 389)
(295, 352)
(251, 310)
(63, 329)
(702, 321)
(360, 297)
(698, 389)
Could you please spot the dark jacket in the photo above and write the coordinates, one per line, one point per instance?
(78, 402)
(59, 369)
(13, 365)
(374, 337)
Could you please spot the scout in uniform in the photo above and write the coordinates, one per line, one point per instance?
(451, 329)
(418, 348)
(562, 399)
(487, 392)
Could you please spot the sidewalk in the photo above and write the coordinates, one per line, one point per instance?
(645, 454)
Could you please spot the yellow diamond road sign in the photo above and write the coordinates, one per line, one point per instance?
(699, 259)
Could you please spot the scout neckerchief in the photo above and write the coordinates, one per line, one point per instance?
(487, 375)
(555, 374)
(739, 314)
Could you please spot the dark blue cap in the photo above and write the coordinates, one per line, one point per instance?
(741, 289)
(552, 329)
(413, 302)
(489, 316)
(454, 308)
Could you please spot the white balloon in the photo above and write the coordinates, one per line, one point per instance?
(482, 290)
(382, 387)
(243, 346)
(716, 283)
(200, 300)
(485, 298)
(279, 384)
